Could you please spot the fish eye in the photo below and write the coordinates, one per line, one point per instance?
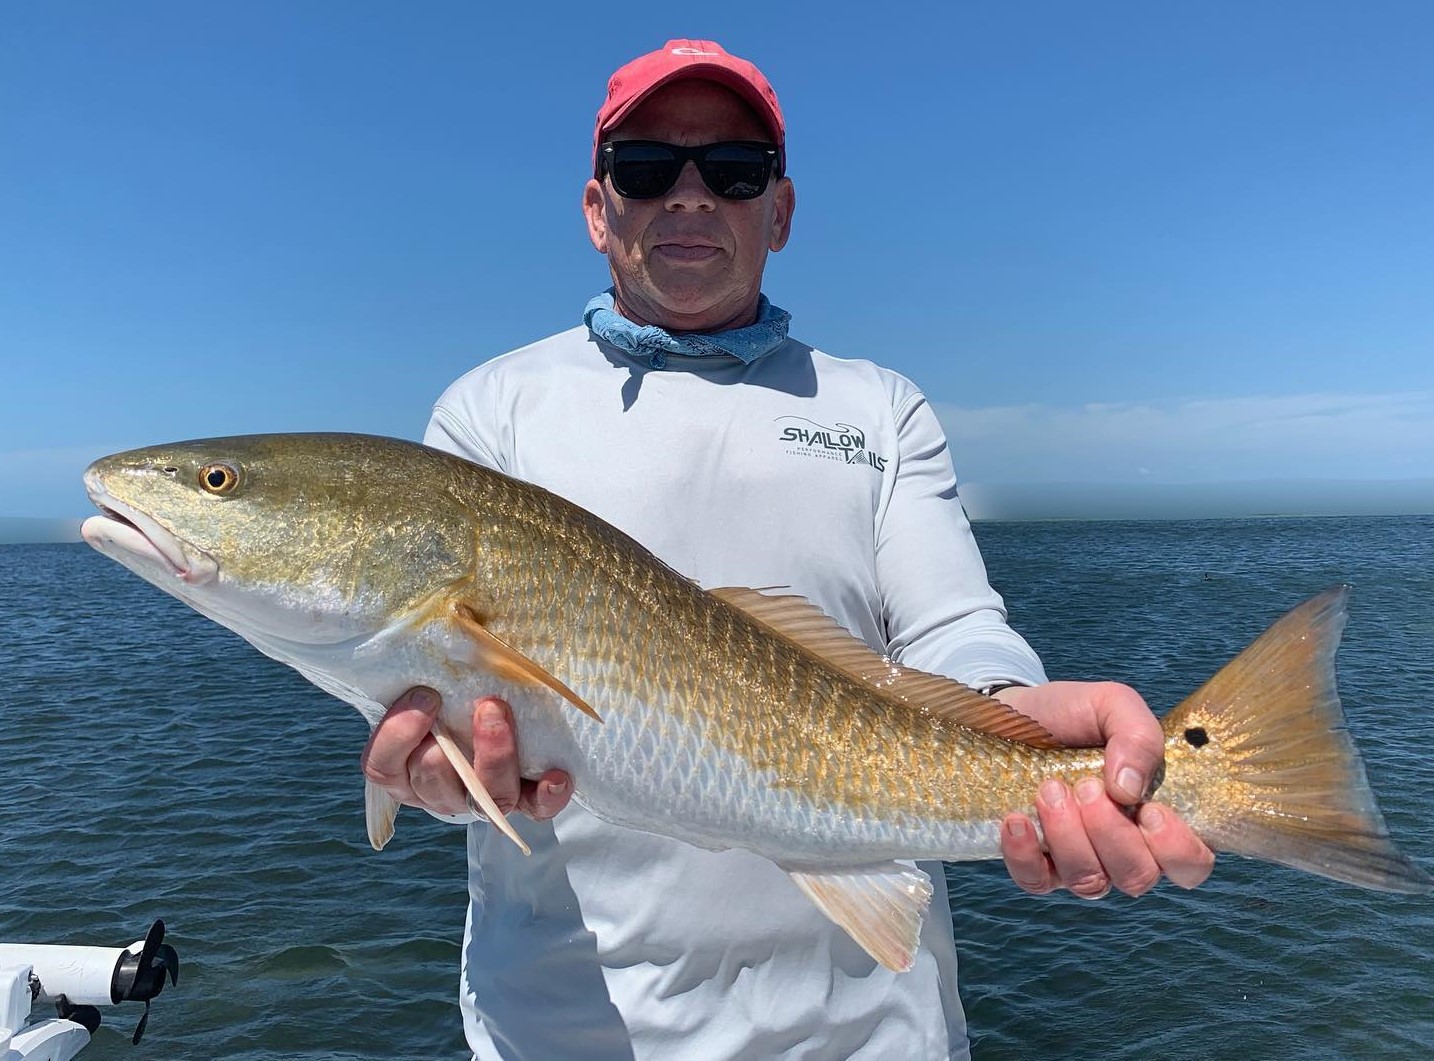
(219, 478)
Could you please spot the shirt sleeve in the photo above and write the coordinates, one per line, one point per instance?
(457, 424)
(941, 614)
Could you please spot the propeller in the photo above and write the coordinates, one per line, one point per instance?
(140, 977)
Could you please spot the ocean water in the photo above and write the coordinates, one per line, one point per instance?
(153, 765)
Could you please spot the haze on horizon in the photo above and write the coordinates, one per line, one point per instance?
(1145, 262)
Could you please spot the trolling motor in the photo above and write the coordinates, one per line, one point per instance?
(77, 980)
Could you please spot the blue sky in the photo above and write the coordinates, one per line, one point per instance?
(1116, 243)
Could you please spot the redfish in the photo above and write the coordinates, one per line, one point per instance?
(725, 717)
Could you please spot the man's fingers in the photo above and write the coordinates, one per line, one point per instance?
(544, 798)
(1106, 714)
(436, 786)
(396, 737)
(1118, 842)
(1076, 863)
(495, 758)
(1135, 745)
(403, 758)
(1093, 837)
(1025, 861)
(1182, 855)
(495, 752)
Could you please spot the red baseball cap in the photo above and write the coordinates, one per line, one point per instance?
(681, 59)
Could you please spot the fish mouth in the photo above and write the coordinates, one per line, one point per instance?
(125, 533)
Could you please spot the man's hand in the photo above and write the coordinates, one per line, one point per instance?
(404, 759)
(1093, 842)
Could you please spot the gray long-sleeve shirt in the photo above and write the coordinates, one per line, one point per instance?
(826, 477)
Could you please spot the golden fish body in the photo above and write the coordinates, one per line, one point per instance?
(725, 718)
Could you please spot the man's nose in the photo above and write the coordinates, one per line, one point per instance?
(691, 191)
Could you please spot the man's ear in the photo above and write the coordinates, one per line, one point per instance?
(784, 205)
(595, 212)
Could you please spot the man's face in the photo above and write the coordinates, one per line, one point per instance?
(689, 260)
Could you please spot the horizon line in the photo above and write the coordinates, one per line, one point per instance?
(987, 502)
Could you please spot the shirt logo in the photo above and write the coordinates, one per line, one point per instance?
(841, 442)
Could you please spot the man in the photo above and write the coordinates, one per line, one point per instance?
(683, 413)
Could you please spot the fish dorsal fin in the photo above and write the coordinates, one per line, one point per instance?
(802, 622)
(881, 907)
(498, 657)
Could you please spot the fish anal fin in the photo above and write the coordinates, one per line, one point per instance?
(800, 621)
(881, 907)
(475, 787)
(380, 811)
(506, 662)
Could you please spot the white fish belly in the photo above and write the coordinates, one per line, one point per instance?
(649, 768)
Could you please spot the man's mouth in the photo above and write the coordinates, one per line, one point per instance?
(694, 252)
(694, 245)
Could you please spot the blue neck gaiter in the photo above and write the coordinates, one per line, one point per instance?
(647, 341)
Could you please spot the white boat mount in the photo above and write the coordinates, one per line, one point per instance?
(77, 981)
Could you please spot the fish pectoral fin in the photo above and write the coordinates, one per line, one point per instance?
(501, 659)
(475, 788)
(881, 907)
(379, 811)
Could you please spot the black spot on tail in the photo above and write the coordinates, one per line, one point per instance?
(1197, 737)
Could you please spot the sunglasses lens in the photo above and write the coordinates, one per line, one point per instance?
(643, 171)
(736, 171)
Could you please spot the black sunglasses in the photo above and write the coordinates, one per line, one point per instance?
(645, 169)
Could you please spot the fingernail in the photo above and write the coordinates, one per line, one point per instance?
(491, 716)
(1016, 827)
(423, 699)
(1053, 793)
(1089, 790)
(557, 788)
(1130, 782)
(1152, 818)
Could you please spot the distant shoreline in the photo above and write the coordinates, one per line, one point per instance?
(1255, 499)
(26, 530)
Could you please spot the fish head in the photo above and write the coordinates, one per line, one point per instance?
(309, 539)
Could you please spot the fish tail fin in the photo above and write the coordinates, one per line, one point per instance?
(1267, 768)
